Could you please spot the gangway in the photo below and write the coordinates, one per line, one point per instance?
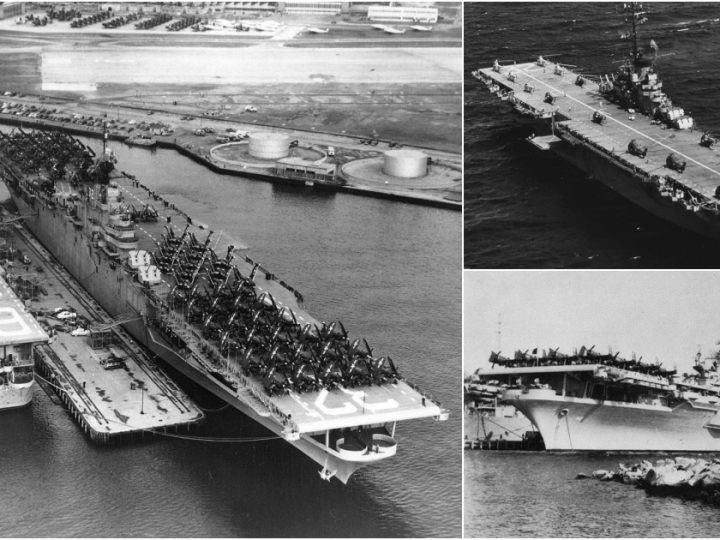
(102, 335)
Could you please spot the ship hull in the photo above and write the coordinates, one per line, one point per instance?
(116, 293)
(15, 396)
(567, 423)
(341, 468)
(621, 180)
(511, 427)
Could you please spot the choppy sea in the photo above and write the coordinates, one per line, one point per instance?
(526, 209)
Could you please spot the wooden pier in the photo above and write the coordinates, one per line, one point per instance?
(534, 444)
(113, 390)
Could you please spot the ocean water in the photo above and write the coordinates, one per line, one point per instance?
(527, 209)
(536, 494)
(389, 271)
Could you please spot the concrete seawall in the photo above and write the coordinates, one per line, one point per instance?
(300, 184)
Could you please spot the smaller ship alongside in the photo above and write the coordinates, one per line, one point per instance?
(603, 402)
(493, 425)
(19, 333)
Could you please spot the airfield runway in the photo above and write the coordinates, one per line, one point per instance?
(266, 63)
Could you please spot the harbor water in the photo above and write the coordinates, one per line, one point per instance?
(389, 271)
(528, 209)
(513, 494)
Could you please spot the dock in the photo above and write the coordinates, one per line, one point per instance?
(113, 390)
(528, 445)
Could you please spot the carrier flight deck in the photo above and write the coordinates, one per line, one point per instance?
(657, 159)
(574, 107)
(309, 411)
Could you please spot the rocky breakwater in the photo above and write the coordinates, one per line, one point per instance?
(692, 478)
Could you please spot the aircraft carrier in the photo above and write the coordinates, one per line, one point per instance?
(622, 130)
(225, 322)
(589, 401)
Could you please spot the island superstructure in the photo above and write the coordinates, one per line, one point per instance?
(19, 333)
(622, 130)
(603, 402)
(225, 322)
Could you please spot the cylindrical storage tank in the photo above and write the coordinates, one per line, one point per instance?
(267, 145)
(405, 163)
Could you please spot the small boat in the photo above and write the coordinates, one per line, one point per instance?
(141, 140)
(422, 28)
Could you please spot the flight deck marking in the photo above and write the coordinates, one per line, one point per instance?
(10, 318)
(346, 408)
(359, 398)
(308, 410)
(565, 94)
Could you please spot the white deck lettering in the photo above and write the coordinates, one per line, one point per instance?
(11, 318)
(359, 398)
(347, 407)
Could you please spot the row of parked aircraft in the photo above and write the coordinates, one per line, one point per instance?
(273, 26)
(392, 30)
(262, 26)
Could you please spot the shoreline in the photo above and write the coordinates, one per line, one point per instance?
(407, 197)
(357, 89)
